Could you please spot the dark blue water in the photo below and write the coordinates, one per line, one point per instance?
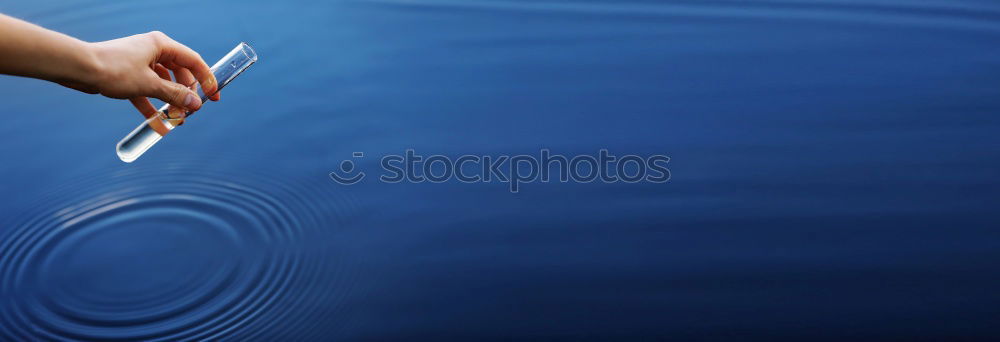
(834, 175)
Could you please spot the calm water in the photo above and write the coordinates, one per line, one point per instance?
(834, 170)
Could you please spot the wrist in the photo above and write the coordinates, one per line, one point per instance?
(89, 69)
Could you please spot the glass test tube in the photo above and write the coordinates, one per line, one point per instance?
(167, 118)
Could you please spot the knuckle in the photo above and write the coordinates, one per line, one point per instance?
(171, 93)
(157, 37)
(179, 93)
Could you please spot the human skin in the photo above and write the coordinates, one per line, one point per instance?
(135, 67)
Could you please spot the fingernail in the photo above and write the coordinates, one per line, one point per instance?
(190, 101)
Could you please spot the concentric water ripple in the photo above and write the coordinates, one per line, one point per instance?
(169, 253)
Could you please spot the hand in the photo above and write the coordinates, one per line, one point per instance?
(139, 66)
(131, 68)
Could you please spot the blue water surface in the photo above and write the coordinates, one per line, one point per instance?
(834, 175)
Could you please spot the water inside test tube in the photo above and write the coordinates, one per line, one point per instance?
(144, 136)
(140, 140)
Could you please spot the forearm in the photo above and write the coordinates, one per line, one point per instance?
(33, 51)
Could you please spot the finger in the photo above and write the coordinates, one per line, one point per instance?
(176, 53)
(144, 106)
(188, 79)
(184, 76)
(177, 95)
(162, 71)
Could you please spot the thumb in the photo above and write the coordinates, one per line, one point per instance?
(177, 95)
